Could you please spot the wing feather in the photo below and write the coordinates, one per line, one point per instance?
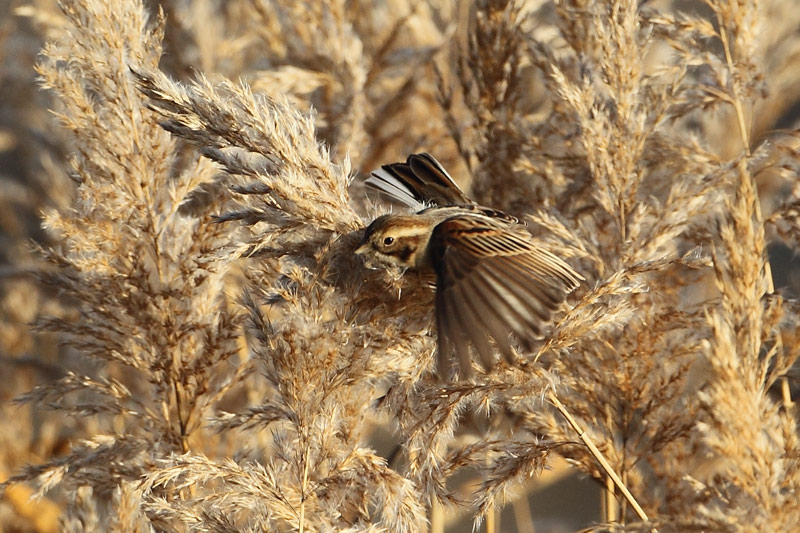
(547, 290)
(526, 297)
(482, 296)
(492, 281)
(471, 324)
(457, 334)
(384, 182)
(512, 242)
(419, 182)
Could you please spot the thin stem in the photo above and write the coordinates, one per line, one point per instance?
(491, 521)
(522, 514)
(303, 489)
(737, 101)
(181, 423)
(786, 393)
(437, 517)
(598, 455)
(610, 502)
(743, 131)
(610, 506)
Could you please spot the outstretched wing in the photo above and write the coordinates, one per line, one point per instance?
(492, 281)
(419, 182)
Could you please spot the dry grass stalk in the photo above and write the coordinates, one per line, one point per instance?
(609, 470)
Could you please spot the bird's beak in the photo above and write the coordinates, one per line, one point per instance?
(364, 248)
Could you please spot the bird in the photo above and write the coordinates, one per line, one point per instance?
(492, 279)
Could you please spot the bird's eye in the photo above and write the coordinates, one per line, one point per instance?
(388, 241)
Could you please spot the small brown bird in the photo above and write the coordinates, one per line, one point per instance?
(491, 279)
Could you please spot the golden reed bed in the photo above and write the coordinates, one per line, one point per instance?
(191, 344)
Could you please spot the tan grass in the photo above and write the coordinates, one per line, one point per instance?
(210, 355)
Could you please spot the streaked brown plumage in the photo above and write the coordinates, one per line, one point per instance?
(491, 280)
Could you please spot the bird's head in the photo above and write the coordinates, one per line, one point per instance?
(396, 240)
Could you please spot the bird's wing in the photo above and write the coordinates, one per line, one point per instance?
(492, 281)
(418, 183)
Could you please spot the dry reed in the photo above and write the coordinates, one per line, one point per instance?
(209, 354)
